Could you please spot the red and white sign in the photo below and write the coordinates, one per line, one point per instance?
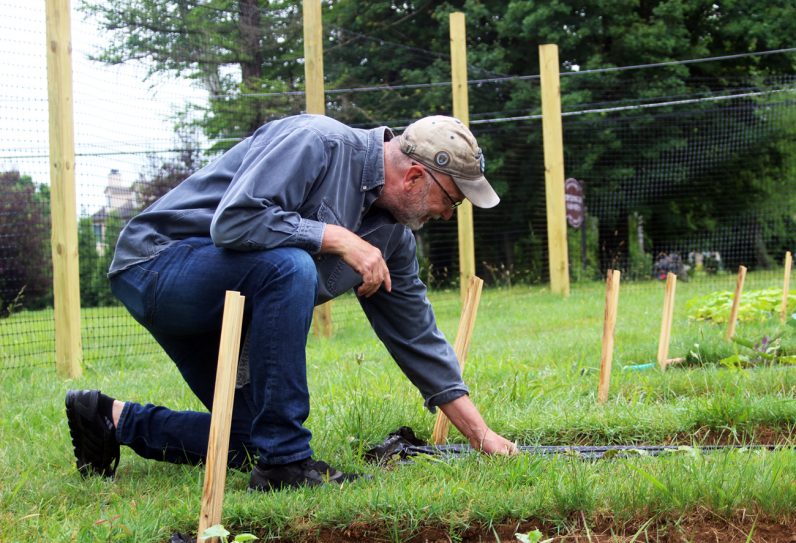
(573, 195)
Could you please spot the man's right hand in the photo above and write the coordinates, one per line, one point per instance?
(363, 257)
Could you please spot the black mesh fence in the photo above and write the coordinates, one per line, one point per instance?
(696, 178)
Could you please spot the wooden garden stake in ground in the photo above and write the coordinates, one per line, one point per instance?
(666, 321)
(611, 304)
(461, 346)
(783, 314)
(221, 418)
(736, 302)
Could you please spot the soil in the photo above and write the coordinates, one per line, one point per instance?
(703, 527)
(759, 435)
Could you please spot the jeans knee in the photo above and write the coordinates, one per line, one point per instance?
(298, 268)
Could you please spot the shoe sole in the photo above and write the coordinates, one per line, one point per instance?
(340, 478)
(77, 432)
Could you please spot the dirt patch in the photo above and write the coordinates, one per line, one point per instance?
(703, 527)
(759, 435)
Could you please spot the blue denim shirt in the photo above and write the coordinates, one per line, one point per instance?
(280, 188)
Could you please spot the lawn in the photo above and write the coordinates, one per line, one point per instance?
(533, 370)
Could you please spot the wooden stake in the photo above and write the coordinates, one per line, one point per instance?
(322, 320)
(611, 305)
(461, 347)
(63, 206)
(666, 320)
(221, 418)
(783, 314)
(736, 302)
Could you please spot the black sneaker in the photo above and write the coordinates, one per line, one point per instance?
(307, 472)
(93, 434)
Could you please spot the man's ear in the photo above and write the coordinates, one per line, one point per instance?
(413, 177)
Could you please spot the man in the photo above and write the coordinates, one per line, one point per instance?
(302, 211)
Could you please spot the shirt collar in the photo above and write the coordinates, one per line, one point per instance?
(373, 172)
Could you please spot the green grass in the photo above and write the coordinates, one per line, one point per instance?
(532, 370)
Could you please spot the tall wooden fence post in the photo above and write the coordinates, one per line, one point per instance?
(316, 104)
(461, 110)
(554, 169)
(63, 205)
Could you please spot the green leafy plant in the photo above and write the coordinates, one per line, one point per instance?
(756, 305)
(766, 351)
(534, 536)
(14, 305)
(217, 530)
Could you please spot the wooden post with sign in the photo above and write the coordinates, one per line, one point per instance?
(554, 169)
(461, 110)
(63, 201)
(316, 104)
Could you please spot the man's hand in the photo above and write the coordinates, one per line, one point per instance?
(465, 416)
(363, 257)
(493, 443)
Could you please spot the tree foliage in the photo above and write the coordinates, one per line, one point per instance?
(166, 175)
(25, 259)
(232, 48)
(244, 51)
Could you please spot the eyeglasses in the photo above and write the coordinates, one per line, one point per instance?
(454, 203)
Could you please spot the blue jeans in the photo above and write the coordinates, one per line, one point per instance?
(179, 298)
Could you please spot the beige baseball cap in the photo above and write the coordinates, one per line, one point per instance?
(446, 145)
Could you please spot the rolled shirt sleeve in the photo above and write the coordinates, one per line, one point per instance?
(255, 215)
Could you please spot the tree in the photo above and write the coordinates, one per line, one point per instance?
(88, 262)
(233, 48)
(113, 227)
(167, 175)
(404, 47)
(25, 259)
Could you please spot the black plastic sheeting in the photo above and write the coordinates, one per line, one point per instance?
(402, 445)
